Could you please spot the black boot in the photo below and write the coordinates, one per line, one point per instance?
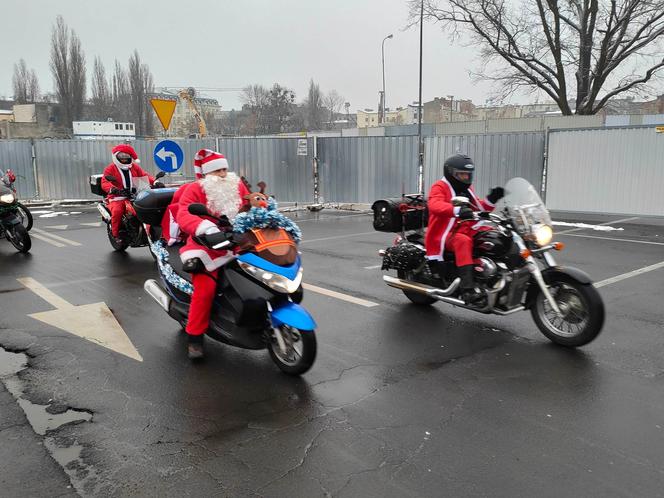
(469, 293)
(195, 347)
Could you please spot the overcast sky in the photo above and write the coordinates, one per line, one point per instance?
(233, 43)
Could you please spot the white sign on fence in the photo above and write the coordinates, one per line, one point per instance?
(302, 147)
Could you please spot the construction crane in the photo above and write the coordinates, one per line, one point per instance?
(188, 96)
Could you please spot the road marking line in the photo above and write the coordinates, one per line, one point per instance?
(57, 227)
(340, 296)
(611, 238)
(93, 322)
(56, 237)
(606, 223)
(374, 267)
(47, 240)
(338, 237)
(95, 224)
(338, 217)
(630, 274)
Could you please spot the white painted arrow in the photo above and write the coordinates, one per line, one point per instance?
(93, 322)
(58, 227)
(163, 154)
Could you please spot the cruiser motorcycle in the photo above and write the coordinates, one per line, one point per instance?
(514, 266)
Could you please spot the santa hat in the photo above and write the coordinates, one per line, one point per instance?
(126, 148)
(206, 161)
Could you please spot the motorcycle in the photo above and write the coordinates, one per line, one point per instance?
(11, 225)
(257, 301)
(514, 269)
(132, 231)
(8, 179)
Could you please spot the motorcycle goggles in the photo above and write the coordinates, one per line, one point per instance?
(124, 158)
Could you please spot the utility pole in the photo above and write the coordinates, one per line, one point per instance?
(451, 98)
(420, 169)
(382, 54)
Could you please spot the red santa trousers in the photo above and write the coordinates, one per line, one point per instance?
(460, 242)
(205, 285)
(118, 209)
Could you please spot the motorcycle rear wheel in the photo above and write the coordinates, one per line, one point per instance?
(20, 238)
(415, 297)
(301, 350)
(582, 310)
(118, 247)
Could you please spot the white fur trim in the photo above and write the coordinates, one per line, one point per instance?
(174, 229)
(223, 196)
(209, 263)
(456, 210)
(214, 165)
(203, 226)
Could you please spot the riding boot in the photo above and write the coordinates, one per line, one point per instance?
(469, 293)
(195, 347)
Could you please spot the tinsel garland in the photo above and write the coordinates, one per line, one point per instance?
(166, 269)
(269, 217)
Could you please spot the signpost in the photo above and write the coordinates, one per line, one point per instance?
(168, 156)
(301, 146)
(164, 108)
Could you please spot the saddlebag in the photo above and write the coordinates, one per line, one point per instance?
(399, 213)
(95, 185)
(404, 256)
(150, 205)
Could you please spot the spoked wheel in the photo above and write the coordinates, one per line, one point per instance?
(415, 297)
(118, 247)
(581, 318)
(19, 238)
(299, 353)
(25, 215)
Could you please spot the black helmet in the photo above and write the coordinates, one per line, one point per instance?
(459, 163)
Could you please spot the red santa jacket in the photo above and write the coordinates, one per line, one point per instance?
(169, 226)
(134, 172)
(226, 201)
(443, 216)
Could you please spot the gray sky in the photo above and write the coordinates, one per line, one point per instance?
(224, 43)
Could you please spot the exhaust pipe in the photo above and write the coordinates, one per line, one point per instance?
(435, 292)
(106, 216)
(155, 291)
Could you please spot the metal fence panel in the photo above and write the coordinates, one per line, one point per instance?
(364, 169)
(497, 157)
(616, 171)
(17, 156)
(275, 161)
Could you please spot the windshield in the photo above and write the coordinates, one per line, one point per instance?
(141, 183)
(523, 204)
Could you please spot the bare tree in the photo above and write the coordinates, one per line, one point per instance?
(255, 99)
(141, 84)
(33, 87)
(68, 69)
(101, 93)
(333, 102)
(588, 51)
(314, 107)
(120, 96)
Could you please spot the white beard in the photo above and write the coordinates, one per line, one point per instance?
(223, 196)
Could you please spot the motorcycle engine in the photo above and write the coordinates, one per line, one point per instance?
(486, 271)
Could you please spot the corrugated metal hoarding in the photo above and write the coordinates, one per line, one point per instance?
(17, 156)
(615, 170)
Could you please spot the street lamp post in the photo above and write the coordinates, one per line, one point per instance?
(420, 162)
(382, 52)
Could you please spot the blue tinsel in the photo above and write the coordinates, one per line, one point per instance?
(166, 269)
(268, 217)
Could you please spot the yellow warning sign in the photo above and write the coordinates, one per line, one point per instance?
(164, 109)
(659, 129)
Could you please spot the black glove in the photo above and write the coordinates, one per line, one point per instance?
(466, 213)
(495, 194)
(158, 185)
(114, 191)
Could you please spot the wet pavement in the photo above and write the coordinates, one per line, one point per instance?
(402, 400)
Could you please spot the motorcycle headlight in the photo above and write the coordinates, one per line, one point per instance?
(543, 234)
(7, 198)
(274, 281)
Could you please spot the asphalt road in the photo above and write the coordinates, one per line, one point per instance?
(402, 400)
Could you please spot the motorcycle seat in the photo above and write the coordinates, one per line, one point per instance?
(175, 261)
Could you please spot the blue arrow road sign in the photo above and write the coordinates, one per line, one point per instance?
(168, 156)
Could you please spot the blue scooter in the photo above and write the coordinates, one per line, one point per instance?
(257, 302)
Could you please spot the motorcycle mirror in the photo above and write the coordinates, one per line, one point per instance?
(159, 175)
(111, 178)
(198, 209)
(460, 201)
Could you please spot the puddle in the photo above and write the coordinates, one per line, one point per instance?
(11, 363)
(64, 456)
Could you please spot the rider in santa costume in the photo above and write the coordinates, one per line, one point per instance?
(452, 228)
(125, 169)
(222, 193)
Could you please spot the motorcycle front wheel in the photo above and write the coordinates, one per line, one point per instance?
(19, 238)
(300, 351)
(25, 215)
(582, 313)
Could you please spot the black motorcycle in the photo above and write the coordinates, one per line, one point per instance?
(8, 179)
(132, 231)
(11, 223)
(514, 267)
